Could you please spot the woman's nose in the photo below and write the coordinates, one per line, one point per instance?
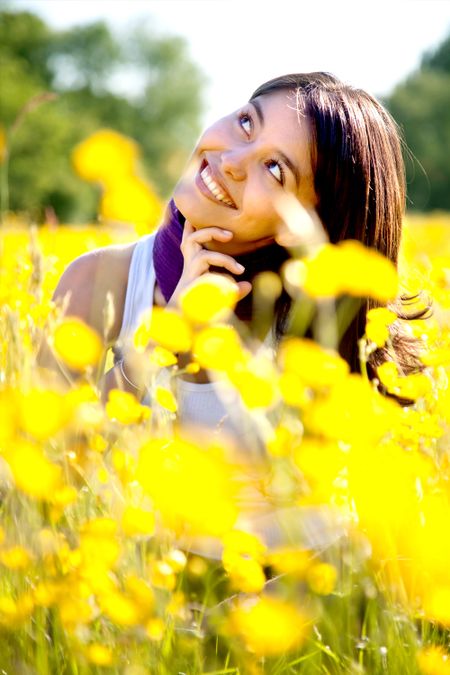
(233, 164)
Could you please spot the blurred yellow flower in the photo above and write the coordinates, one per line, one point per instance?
(377, 327)
(77, 344)
(166, 399)
(124, 407)
(165, 327)
(33, 473)
(193, 488)
(162, 574)
(218, 347)
(141, 594)
(321, 578)
(416, 385)
(131, 200)
(43, 412)
(268, 626)
(162, 358)
(256, 380)
(292, 561)
(211, 297)
(155, 629)
(15, 558)
(344, 268)
(433, 660)
(137, 521)
(315, 366)
(15, 612)
(122, 610)
(99, 655)
(352, 410)
(105, 156)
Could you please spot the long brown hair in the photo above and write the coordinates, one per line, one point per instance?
(359, 182)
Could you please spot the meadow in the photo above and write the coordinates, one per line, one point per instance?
(128, 546)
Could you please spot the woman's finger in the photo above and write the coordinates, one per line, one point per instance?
(206, 259)
(208, 234)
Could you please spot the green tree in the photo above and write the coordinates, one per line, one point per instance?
(78, 65)
(421, 105)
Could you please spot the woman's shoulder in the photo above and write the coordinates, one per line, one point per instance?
(88, 282)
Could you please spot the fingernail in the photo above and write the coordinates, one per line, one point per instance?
(240, 267)
(226, 232)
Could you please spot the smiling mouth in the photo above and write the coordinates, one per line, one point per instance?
(215, 190)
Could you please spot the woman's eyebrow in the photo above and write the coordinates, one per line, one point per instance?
(259, 111)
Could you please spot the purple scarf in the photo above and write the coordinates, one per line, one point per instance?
(168, 259)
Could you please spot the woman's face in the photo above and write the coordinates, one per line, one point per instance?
(242, 166)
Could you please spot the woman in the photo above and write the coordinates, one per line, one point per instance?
(333, 147)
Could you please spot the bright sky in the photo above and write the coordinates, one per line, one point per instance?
(241, 43)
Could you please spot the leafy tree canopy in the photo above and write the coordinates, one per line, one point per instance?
(80, 66)
(421, 105)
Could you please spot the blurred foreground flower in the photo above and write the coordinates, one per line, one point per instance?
(211, 297)
(346, 268)
(109, 158)
(193, 489)
(78, 345)
(268, 626)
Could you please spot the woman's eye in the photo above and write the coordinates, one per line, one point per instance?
(276, 170)
(246, 123)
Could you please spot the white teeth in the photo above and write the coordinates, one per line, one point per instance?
(213, 187)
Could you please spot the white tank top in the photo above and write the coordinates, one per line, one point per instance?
(213, 405)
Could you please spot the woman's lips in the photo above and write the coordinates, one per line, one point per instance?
(208, 185)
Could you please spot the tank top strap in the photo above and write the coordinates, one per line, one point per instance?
(140, 287)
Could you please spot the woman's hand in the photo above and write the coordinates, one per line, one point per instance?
(197, 259)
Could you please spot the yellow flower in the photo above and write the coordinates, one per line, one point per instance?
(162, 357)
(15, 612)
(416, 385)
(193, 488)
(352, 410)
(378, 321)
(246, 575)
(15, 558)
(211, 297)
(218, 347)
(321, 462)
(162, 574)
(436, 604)
(292, 561)
(268, 626)
(166, 399)
(33, 473)
(77, 344)
(165, 327)
(155, 629)
(99, 654)
(315, 366)
(43, 412)
(124, 407)
(8, 414)
(344, 268)
(321, 578)
(256, 380)
(137, 521)
(131, 200)
(433, 660)
(105, 156)
(141, 594)
(120, 609)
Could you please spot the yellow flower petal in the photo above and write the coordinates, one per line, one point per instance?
(78, 345)
(211, 297)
